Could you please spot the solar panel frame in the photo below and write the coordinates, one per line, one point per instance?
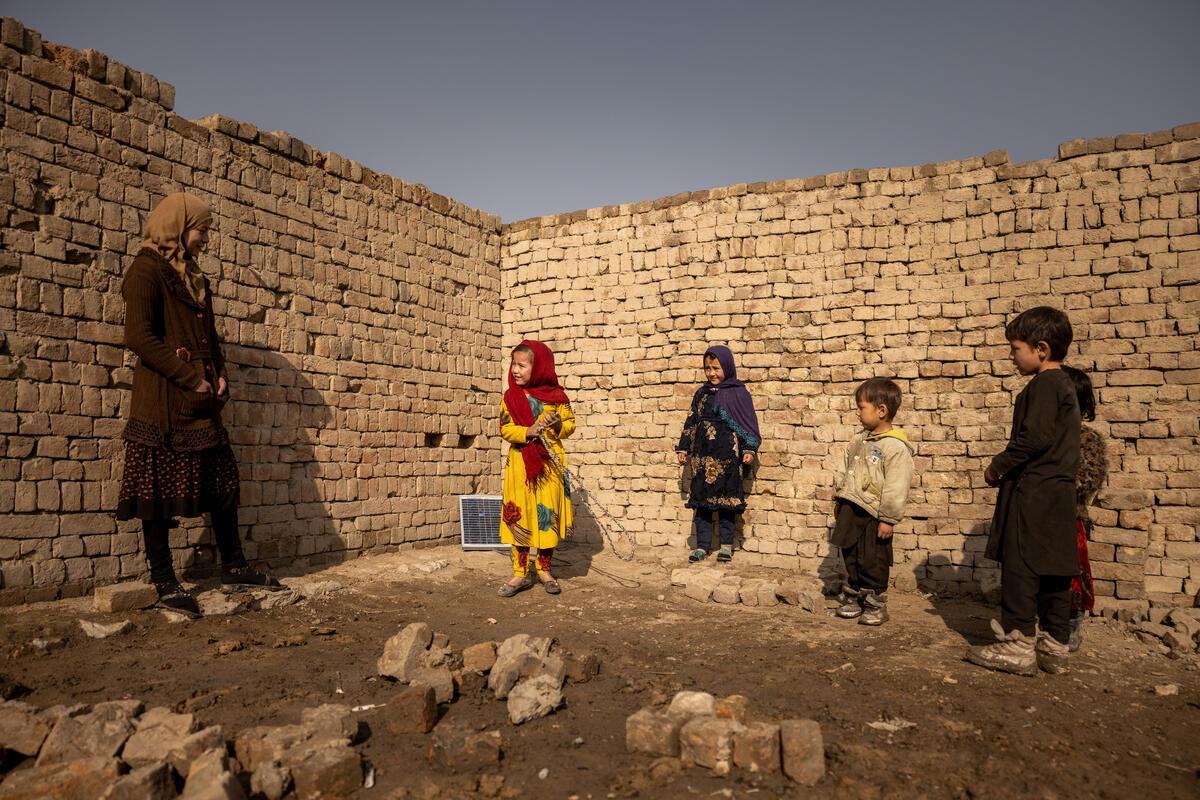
(479, 521)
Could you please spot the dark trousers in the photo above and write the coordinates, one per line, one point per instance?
(704, 527)
(155, 535)
(868, 558)
(1027, 598)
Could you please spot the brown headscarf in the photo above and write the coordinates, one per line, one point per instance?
(170, 219)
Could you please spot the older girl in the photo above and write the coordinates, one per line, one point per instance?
(178, 462)
(535, 416)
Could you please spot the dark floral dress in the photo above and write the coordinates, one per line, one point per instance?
(714, 452)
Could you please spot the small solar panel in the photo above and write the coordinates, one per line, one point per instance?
(480, 516)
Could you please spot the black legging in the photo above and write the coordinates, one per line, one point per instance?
(155, 534)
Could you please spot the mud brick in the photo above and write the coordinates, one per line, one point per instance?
(708, 742)
(328, 772)
(119, 597)
(803, 750)
(21, 730)
(756, 747)
(653, 732)
(88, 777)
(413, 710)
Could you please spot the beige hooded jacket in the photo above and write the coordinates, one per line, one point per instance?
(878, 473)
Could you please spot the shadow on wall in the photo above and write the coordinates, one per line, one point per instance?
(275, 421)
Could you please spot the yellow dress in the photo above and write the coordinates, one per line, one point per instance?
(536, 516)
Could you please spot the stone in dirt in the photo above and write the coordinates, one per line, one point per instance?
(100, 630)
(1186, 621)
(735, 707)
(210, 779)
(328, 772)
(159, 731)
(457, 748)
(413, 710)
(749, 591)
(272, 780)
(87, 777)
(807, 593)
(330, 722)
(756, 747)
(21, 730)
(405, 652)
(533, 698)
(97, 734)
(118, 597)
(681, 576)
(440, 679)
(727, 592)
(216, 603)
(479, 657)
(228, 646)
(702, 586)
(151, 782)
(182, 755)
(691, 704)
(583, 666)
(1180, 641)
(517, 657)
(768, 594)
(708, 742)
(803, 750)
(651, 731)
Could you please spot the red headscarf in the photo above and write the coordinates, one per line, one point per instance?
(543, 385)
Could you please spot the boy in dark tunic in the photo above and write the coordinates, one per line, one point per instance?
(178, 462)
(1033, 528)
(719, 436)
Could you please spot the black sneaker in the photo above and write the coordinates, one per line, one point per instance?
(248, 577)
(174, 597)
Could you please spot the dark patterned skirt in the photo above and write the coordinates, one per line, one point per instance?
(159, 484)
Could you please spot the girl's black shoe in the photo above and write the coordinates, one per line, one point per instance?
(249, 577)
(174, 597)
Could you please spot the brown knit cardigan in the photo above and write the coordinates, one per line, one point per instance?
(175, 339)
(1093, 469)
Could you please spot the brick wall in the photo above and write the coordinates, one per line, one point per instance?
(363, 324)
(360, 316)
(904, 272)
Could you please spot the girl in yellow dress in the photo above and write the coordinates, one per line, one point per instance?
(537, 495)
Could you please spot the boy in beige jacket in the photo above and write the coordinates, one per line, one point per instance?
(870, 501)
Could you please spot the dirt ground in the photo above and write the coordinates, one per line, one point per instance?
(1099, 731)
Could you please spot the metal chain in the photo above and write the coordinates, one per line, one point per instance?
(592, 500)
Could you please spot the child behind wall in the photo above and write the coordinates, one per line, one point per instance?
(871, 494)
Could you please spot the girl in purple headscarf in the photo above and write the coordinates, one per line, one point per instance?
(719, 436)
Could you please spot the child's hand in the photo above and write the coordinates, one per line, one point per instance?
(681, 455)
(747, 458)
(885, 530)
(990, 477)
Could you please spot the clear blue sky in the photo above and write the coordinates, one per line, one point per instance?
(527, 108)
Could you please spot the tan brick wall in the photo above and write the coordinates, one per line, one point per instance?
(360, 316)
(362, 320)
(904, 272)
